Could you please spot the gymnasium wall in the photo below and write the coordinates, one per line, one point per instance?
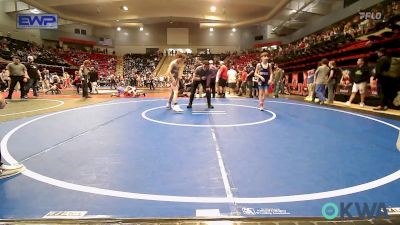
(8, 24)
(155, 36)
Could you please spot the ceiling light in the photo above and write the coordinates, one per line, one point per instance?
(213, 8)
(233, 29)
(125, 8)
(211, 29)
(118, 28)
(35, 11)
(141, 28)
(117, 20)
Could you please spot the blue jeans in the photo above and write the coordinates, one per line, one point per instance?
(320, 92)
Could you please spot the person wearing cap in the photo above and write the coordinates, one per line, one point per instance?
(18, 74)
(385, 82)
(84, 76)
(34, 76)
(202, 75)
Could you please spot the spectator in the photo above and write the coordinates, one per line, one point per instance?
(93, 78)
(232, 75)
(321, 79)
(242, 81)
(278, 75)
(386, 84)
(250, 79)
(77, 82)
(359, 76)
(222, 78)
(84, 76)
(335, 74)
(46, 79)
(310, 85)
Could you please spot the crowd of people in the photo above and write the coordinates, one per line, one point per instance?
(342, 32)
(10, 47)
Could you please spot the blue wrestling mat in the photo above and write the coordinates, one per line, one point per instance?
(135, 159)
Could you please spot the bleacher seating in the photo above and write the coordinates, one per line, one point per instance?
(104, 63)
(138, 63)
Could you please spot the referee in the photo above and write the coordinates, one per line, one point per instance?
(202, 75)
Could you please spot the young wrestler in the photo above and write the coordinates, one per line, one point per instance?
(265, 76)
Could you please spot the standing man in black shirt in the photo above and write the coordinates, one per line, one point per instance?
(93, 77)
(34, 77)
(359, 76)
(386, 84)
(213, 77)
(202, 75)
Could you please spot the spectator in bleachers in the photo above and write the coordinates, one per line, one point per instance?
(335, 74)
(140, 64)
(321, 79)
(359, 77)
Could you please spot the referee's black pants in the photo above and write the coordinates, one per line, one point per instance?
(195, 84)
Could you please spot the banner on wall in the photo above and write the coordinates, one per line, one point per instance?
(37, 21)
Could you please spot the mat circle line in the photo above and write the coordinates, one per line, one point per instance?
(210, 125)
(36, 110)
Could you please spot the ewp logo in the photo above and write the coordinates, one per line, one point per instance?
(44, 21)
(331, 211)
